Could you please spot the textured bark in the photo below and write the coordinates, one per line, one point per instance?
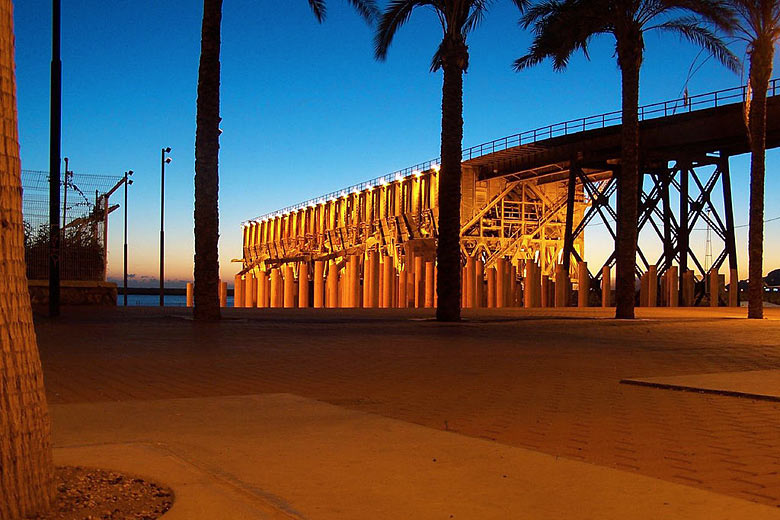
(26, 486)
(448, 243)
(630, 61)
(207, 167)
(760, 72)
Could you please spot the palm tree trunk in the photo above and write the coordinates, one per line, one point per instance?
(207, 167)
(760, 72)
(629, 59)
(25, 434)
(448, 244)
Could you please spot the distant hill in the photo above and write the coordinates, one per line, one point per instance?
(773, 278)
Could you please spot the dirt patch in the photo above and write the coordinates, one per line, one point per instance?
(91, 494)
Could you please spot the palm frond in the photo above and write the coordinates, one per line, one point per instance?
(719, 13)
(318, 8)
(690, 28)
(395, 15)
(366, 9)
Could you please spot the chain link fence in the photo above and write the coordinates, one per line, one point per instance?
(84, 224)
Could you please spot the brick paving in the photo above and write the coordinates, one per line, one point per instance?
(543, 380)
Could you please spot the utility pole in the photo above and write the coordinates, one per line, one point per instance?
(163, 161)
(55, 140)
(127, 182)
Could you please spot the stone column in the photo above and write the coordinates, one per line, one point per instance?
(303, 285)
(471, 286)
(250, 289)
(545, 296)
(652, 286)
(419, 282)
(223, 294)
(584, 284)
(189, 294)
(479, 284)
(388, 280)
(403, 285)
(276, 287)
(528, 280)
(643, 288)
(501, 276)
(733, 288)
(430, 278)
(319, 284)
(373, 264)
(238, 291)
(513, 287)
(606, 287)
(714, 287)
(491, 287)
(561, 286)
(289, 287)
(672, 287)
(332, 286)
(688, 286)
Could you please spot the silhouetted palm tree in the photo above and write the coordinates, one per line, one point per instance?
(26, 468)
(562, 27)
(458, 18)
(758, 25)
(207, 153)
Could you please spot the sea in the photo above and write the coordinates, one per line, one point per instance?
(153, 300)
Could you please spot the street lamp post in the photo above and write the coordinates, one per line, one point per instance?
(55, 142)
(163, 161)
(128, 181)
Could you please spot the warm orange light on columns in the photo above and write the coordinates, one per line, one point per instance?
(276, 288)
(238, 292)
(189, 294)
(471, 286)
(479, 282)
(388, 281)
(319, 284)
(652, 286)
(672, 287)
(262, 289)
(303, 285)
(714, 287)
(491, 287)
(606, 286)
(561, 286)
(250, 290)
(584, 284)
(332, 286)
(430, 278)
(373, 286)
(223, 290)
(733, 288)
(403, 298)
(419, 282)
(289, 287)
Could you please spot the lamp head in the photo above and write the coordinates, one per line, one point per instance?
(130, 172)
(130, 181)
(168, 160)
(168, 150)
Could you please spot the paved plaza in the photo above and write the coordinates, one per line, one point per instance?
(545, 380)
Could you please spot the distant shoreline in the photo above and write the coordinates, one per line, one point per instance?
(172, 291)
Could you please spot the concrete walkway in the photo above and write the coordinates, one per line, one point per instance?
(280, 456)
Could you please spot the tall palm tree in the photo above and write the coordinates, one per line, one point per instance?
(562, 27)
(207, 153)
(457, 18)
(758, 24)
(26, 469)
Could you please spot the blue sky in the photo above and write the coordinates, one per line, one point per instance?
(306, 109)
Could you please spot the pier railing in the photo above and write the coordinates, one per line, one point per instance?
(670, 107)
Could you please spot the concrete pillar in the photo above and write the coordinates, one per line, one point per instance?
(688, 286)
(388, 279)
(652, 286)
(303, 285)
(714, 287)
(250, 290)
(319, 284)
(419, 282)
(430, 279)
(545, 296)
(262, 281)
(606, 286)
(332, 287)
(189, 294)
(672, 287)
(643, 288)
(501, 283)
(561, 286)
(276, 288)
(403, 285)
(238, 291)
(528, 279)
(373, 264)
(584, 284)
(491, 287)
(289, 287)
(356, 282)
(223, 290)
(365, 296)
(479, 284)
(537, 285)
(514, 296)
(471, 282)
(733, 288)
